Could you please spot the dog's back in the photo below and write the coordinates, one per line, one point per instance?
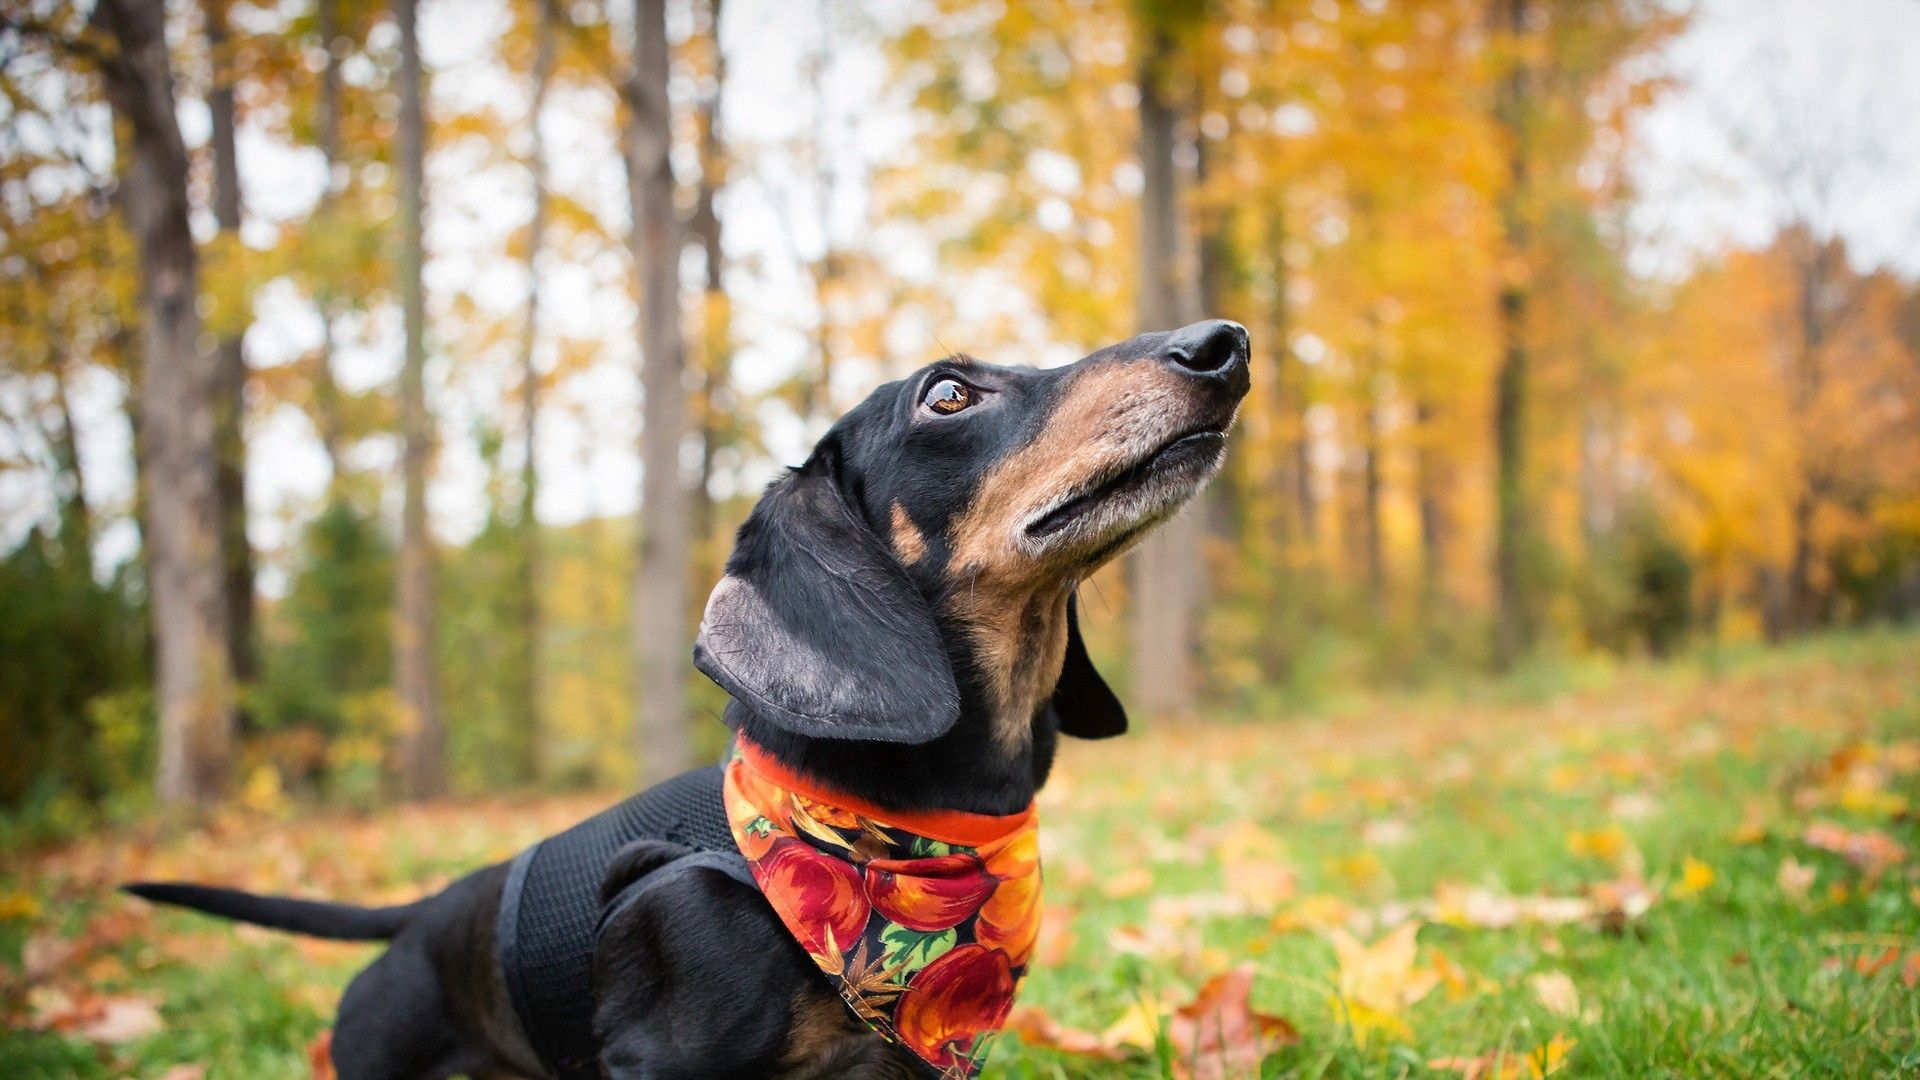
(551, 904)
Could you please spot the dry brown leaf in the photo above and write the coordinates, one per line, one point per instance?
(112, 1021)
(45, 953)
(1618, 903)
(1795, 877)
(1036, 1028)
(1219, 1034)
(1557, 992)
(1870, 850)
(1131, 882)
(320, 1056)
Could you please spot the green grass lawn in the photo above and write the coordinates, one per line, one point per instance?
(1686, 870)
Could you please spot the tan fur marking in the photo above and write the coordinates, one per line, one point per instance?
(1020, 641)
(907, 541)
(1100, 421)
(820, 1024)
(1014, 602)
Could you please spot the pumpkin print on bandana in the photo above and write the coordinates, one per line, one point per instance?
(924, 922)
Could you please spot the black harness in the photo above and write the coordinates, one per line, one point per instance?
(550, 911)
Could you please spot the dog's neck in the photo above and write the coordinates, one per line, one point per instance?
(996, 756)
(966, 769)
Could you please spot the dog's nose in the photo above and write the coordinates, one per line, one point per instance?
(1216, 348)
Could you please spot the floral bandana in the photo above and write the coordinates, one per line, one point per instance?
(923, 921)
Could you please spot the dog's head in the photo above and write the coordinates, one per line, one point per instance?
(921, 564)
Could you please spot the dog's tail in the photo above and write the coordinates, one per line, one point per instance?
(314, 918)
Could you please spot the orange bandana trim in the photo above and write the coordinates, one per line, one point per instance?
(924, 922)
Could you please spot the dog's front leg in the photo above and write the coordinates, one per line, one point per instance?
(693, 979)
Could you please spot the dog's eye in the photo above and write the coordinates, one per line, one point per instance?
(948, 396)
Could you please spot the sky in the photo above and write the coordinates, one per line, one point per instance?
(1753, 79)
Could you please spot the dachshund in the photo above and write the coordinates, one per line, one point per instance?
(897, 631)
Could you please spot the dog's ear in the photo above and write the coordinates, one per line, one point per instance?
(1085, 704)
(817, 629)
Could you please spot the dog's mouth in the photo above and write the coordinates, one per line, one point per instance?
(1133, 494)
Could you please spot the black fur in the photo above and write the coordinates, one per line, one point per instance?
(314, 918)
(1086, 706)
(818, 629)
(697, 977)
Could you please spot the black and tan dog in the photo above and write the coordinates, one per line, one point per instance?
(896, 623)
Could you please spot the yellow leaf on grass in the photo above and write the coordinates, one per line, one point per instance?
(1315, 912)
(1139, 1026)
(1361, 870)
(18, 905)
(1378, 982)
(1608, 843)
(1695, 878)
(1366, 1021)
(1535, 1064)
(1458, 981)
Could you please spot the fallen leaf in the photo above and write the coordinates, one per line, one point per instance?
(1535, 1064)
(44, 954)
(1138, 1027)
(320, 1056)
(1386, 833)
(1316, 912)
(1870, 850)
(1362, 870)
(1608, 843)
(18, 905)
(1056, 936)
(1455, 977)
(113, 1021)
(1455, 905)
(1617, 903)
(1131, 882)
(1037, 1028)
(1633, 806)
(1219, 1034)
(1795, 877)
(1557, 992)
(1378, 982)
(1695, 878)
(1874, 964)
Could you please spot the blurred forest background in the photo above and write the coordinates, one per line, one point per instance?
(341, 343)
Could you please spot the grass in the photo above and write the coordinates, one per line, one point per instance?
(1176, 855)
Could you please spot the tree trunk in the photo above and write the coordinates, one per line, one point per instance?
(1513, 626)
(716, 353)
(193, 679)
(326, 391)
(76, 517)
(423, 740)
(1293, 469)
(661, 639)
(1803, 604)
(526, 750)
(1433, 514)
(1371, 485)
(230, 404)
(1166, 562)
